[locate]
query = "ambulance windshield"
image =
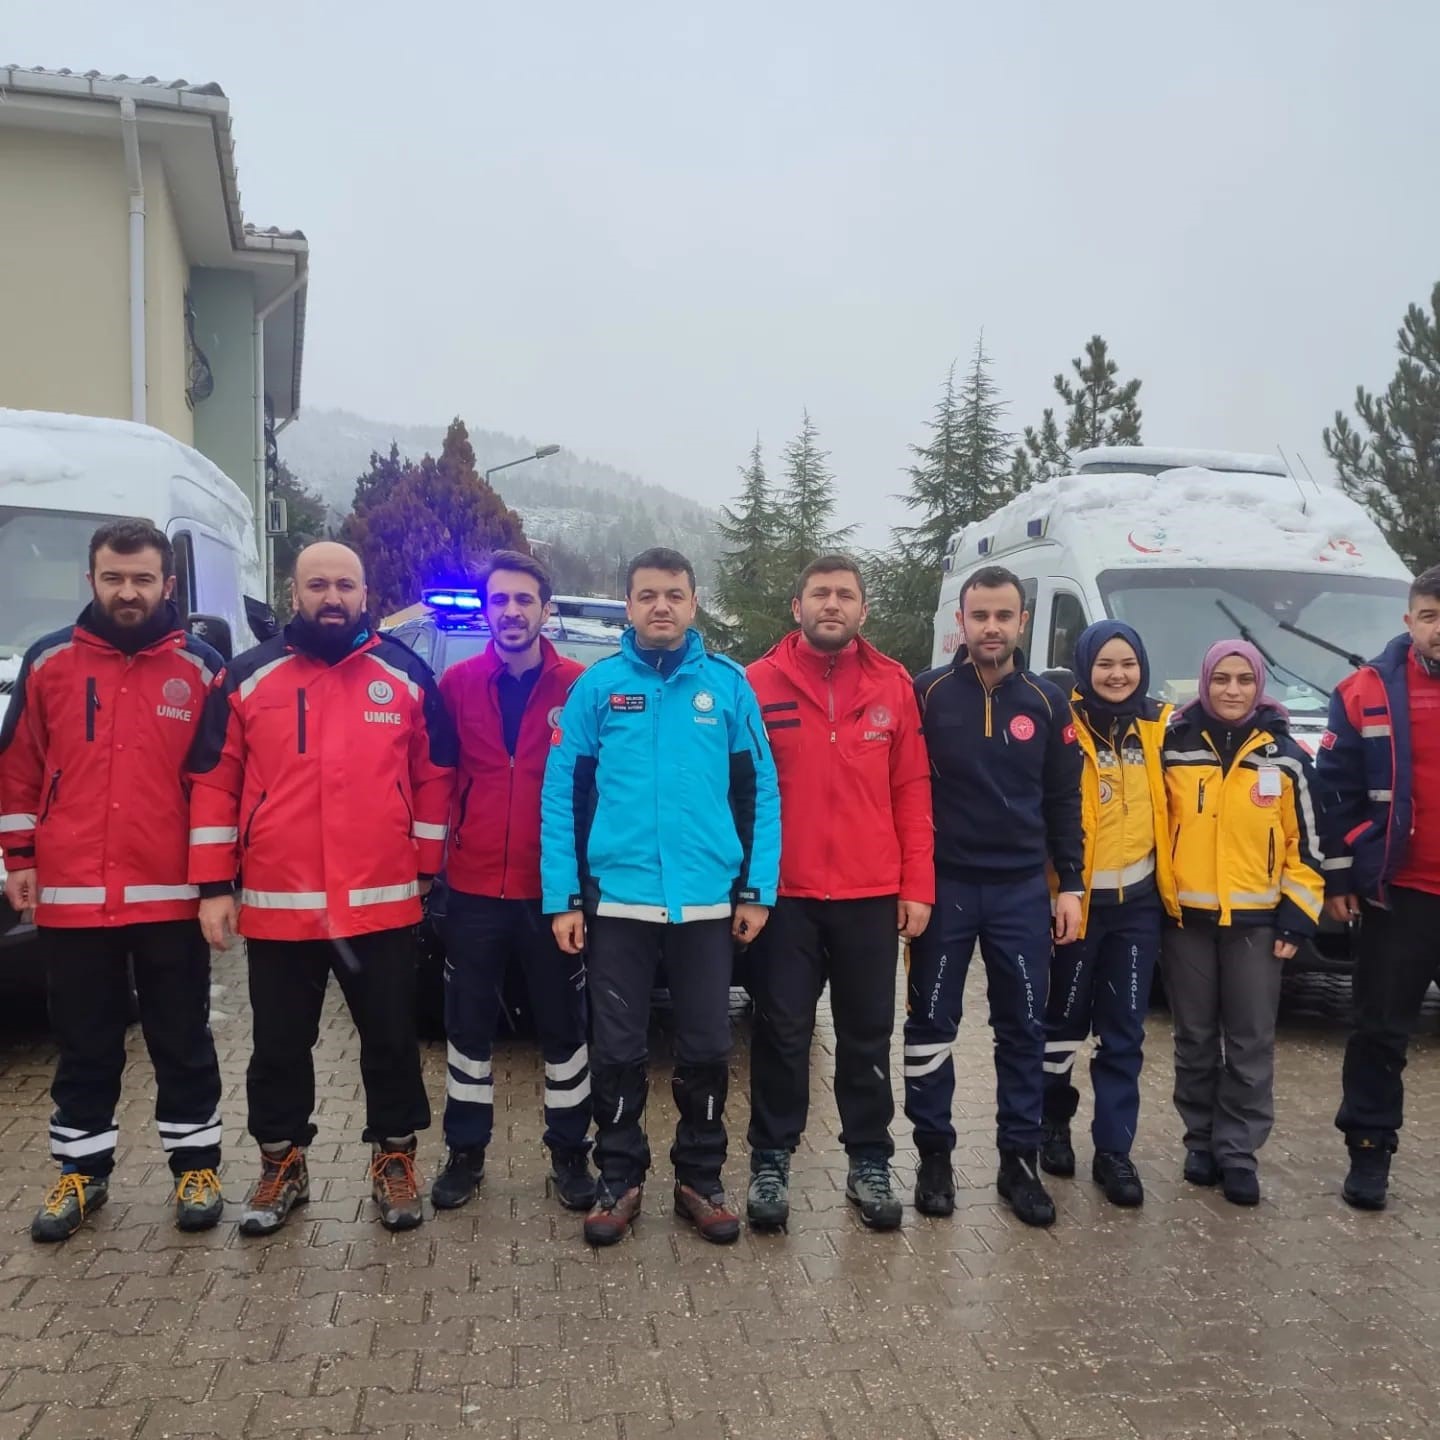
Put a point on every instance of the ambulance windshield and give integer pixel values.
(1178, 614)
(43, 560)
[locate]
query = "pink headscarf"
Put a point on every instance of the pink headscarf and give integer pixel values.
(1222, 650)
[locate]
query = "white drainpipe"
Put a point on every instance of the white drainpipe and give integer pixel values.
(262, 540)
(137, 260)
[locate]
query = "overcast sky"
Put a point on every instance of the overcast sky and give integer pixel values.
(647, 233)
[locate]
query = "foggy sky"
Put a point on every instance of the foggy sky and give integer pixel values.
(647, 234)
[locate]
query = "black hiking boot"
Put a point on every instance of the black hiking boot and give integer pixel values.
(1368, 1182)
(1019, 1183)
(1057, 1154)
(767, 1205)
(935, 1184)
(456, 1184)
(1118, 1178)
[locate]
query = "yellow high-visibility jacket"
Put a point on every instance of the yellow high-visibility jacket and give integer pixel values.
(1244, 845)
(1124, 808)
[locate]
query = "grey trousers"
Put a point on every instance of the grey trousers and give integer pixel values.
(1223, 985)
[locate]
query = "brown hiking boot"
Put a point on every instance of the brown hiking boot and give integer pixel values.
(284, 1183)
(610, 1220)
(396, 1187)
(711, 1216)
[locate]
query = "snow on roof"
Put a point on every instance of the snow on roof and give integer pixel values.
(1190, 516)
(1130, 457)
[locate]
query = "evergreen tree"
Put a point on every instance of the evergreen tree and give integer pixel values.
(749, 588)
(306, 521)
(1102, 412)
(962, 474)
(1395, 470)
(1042, 456)
(807, 504)
(434, 523)
(902, 589)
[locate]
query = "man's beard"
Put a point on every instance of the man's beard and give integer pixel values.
(133, 635)
(831, 644)
(515, 640)
(327, 640)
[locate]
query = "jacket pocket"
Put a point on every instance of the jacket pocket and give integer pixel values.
(250, 821)
(409, 813)
(457, 836)
(51, 795)
(92, 704)
(1270, 858)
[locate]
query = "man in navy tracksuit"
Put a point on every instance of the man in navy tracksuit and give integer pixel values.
(1005, 778)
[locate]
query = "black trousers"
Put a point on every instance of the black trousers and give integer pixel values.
(853, 944)
(1399, 955)
(88, 987)
(287, 990)
(624, 956)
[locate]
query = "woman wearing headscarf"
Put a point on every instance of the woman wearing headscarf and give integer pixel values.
(1100, 984)
(1248, 872)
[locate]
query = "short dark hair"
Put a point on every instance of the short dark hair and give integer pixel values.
(129, 537)
(524, 564)
(831, 564)
(659, 558)
(992, 577)
(1426, 583)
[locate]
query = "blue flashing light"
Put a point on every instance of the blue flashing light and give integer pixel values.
(452, 599)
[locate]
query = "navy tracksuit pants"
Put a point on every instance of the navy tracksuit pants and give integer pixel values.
(1101, 986)
(481, 934)
(1011, 920)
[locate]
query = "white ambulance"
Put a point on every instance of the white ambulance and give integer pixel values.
(1189, 547)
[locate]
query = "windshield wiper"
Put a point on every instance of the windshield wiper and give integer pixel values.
(1347, 655)
(1246, 633)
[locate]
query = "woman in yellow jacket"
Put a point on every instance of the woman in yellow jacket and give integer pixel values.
(1100, 982)
(1248, 874)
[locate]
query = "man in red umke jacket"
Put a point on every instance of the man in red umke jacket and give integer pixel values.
(856, 866)
(505, 704)
(323, 774)
(94, 824)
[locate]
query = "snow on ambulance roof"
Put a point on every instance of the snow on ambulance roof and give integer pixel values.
(1152, 459)
(1186, 517)
(104, 466)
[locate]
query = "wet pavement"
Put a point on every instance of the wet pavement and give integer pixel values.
(1187, 1318)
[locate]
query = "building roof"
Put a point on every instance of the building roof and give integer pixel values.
(168, 111)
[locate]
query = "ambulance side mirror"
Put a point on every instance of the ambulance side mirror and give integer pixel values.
(215, 632)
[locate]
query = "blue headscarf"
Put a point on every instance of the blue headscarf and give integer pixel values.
(1091, 641)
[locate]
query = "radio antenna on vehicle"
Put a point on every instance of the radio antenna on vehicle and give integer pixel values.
(1308, 475)
(1290, 470)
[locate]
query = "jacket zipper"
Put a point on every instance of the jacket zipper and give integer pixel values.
(1271, 861)
(509, 806)
(50, 796)
(830, 768)
(409, 813)
(464, 806)
(92, 704)
(1200, 802)
(250, 823)
(300, 719)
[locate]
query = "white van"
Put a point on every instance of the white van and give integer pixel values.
(1191, 546)
(61, 476)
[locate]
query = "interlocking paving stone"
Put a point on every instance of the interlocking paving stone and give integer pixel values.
(1188, 1318)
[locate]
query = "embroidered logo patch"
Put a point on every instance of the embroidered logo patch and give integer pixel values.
(1068, 734)
(1327, 740)
(380, 692)
(556, 736)
(176, 691)
(627, 704)
(553, 718)
(704, 701)
(880, 717)
(1022, 727)
(1107, 792)
(1258, 797)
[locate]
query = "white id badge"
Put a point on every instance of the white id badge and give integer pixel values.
(1270, 782)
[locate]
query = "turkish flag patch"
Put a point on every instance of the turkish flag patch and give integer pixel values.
(1068, 734)
(556, 736)
(1327, 740)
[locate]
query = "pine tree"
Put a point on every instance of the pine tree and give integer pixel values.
(1395, 471)
(306, 522)
(902, 589)
(807, 504)
(1101, 411)
(434, 523)
(1041, 457)
(962, 474)
(749, 587)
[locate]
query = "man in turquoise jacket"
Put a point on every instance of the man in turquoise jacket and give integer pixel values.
(660, 838)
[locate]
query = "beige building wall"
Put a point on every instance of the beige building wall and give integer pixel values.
(65, 281)
(64, 293)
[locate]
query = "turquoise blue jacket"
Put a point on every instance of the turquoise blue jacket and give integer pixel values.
(660, 799)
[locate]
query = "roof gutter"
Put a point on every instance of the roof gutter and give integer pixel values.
(257, 340)
(138, 379)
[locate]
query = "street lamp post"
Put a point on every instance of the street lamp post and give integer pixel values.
(540, 454)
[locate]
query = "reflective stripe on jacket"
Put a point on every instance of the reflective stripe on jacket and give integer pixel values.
(1239, 850)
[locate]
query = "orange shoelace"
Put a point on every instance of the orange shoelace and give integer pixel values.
(65, 1187)
(198, 1187)
(273, 1179)
(401, 1184)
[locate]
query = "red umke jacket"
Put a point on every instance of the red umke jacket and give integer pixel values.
(92, 775)
(854, 774)
(495, 818)
(327, 786)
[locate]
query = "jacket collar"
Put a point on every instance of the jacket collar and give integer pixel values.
(962, 664)
(692, 652)
(86, 633)
(491, 665)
